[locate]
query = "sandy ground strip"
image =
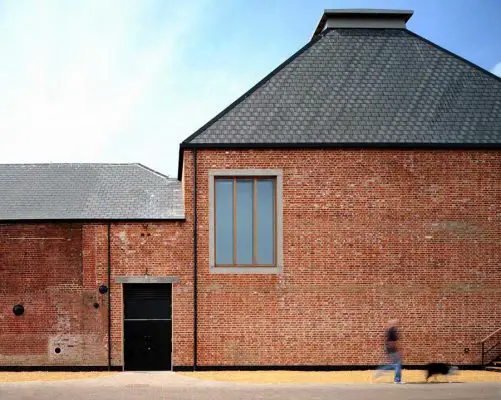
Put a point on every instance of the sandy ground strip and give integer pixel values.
(50, 376)
(277, 377)
(269, 377)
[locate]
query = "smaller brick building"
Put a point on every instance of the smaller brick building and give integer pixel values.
(68, 229)
(357, 182)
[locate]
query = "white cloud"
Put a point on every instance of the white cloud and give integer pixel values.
(102, 82)
(497, 69)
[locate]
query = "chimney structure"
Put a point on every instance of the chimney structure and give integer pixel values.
(363, 18)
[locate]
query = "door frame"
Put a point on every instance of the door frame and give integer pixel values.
(146, 279)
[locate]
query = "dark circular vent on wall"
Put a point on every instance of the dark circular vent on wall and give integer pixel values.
(103, 289)
(96, 305)
(57, 350)
(18, 310)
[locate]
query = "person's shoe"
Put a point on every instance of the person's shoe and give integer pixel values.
(400, 382)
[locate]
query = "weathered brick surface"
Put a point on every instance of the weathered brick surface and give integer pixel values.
(42, 267)
(368, 235)
(156, 249)
(55, 270)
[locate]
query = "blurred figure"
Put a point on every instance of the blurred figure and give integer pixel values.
(392, 352)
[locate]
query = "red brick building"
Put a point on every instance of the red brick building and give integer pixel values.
(359, 181)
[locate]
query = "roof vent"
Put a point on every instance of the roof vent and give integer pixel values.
(363, 18)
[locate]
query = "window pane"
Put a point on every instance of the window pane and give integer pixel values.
(244, 221)
(224, 221)
(265, 221)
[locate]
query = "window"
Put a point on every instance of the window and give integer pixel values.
(245, 219)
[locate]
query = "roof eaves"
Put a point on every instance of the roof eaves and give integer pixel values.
(408, 146)
(87, 220)
(296, 145)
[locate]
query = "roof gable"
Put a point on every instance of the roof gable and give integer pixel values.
(364, 87)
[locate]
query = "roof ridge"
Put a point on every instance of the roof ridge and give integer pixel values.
(167, 177)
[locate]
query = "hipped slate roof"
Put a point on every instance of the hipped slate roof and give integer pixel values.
(87, 192)
(364, 87)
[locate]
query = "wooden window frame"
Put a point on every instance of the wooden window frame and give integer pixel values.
(254, 180)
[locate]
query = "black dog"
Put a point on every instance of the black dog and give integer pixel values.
(434, 369)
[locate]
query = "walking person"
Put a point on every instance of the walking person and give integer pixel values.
(392, 352)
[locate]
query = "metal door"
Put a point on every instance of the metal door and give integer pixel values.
(147, 326)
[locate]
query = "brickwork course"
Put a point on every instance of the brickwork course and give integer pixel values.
(391, 209)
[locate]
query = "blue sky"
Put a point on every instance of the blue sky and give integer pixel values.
(127, 81)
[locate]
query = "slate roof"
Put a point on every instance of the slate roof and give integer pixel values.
(364, 87)
(87, 192)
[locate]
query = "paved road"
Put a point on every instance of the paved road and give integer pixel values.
(167, 385)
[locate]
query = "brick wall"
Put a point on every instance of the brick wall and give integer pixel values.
(368, 235)
(158, 249)
(43, 267)
(55, 270)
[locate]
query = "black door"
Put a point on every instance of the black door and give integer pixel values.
(147, 326)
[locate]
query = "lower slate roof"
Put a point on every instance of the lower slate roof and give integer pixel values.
(87, 192)
(364, 87)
